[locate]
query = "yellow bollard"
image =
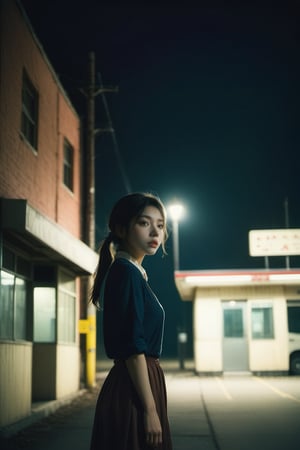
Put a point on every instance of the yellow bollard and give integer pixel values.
(88, 327)
(91, 351)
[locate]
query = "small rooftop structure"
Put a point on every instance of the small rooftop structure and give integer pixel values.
(187, 281)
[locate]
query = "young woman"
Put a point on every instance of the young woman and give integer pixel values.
(131, 411)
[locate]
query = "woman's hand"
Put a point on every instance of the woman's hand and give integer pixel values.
(138, 371)
(152, 428)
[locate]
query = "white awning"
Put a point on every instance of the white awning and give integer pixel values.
(46, 236)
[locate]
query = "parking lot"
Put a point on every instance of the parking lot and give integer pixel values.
(249, 412)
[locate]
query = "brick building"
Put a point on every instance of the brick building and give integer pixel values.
(42, 257)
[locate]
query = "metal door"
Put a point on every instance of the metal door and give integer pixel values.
(235, 344)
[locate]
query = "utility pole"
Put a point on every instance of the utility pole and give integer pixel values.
(91, 93)
(88, 326)
(287, 225)
(90, 155)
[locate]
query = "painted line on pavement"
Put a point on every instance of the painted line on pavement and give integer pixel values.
(276, 391)
(223, 388)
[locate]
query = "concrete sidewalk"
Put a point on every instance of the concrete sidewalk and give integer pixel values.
(189, 421)
(69, 428)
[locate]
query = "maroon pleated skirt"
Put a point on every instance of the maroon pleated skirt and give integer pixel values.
(119, 417)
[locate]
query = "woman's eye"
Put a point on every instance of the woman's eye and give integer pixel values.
(161, 226)
(144, 223)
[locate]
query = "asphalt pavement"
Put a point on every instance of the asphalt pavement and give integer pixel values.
(67, 424)
(227, 412)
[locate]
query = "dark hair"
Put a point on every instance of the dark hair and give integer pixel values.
(122, 214)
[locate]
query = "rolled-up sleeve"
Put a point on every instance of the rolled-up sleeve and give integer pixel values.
(123, 314)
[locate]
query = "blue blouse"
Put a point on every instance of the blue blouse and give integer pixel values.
(133, 318)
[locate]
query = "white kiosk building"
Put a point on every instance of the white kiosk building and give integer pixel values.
(244, 320)
(247, 320)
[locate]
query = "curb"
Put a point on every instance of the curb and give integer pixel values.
(38, 412)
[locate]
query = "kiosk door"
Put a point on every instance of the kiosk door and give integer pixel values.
(235, 345)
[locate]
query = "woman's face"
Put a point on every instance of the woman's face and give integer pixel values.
(145, 234)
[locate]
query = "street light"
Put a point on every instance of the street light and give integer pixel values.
(176, 211)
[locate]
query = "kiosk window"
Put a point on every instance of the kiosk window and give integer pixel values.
(262, 322)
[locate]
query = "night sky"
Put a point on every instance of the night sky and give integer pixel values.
(207, 112)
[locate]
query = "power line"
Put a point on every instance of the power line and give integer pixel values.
(114, 138)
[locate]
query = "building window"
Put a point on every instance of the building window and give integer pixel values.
(13, 291)
(20, 309)
(262, 322)
(54, 318)
(68, 168)
(14, 276)
(66, 318)
(6, 305)
(29, 120)
(44, 317)
(66, 310)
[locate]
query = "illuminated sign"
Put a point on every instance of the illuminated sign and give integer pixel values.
(274, 242)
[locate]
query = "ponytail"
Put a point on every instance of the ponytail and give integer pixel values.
(106, 257)
(124, 211)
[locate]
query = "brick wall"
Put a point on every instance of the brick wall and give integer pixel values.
(25, 173)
